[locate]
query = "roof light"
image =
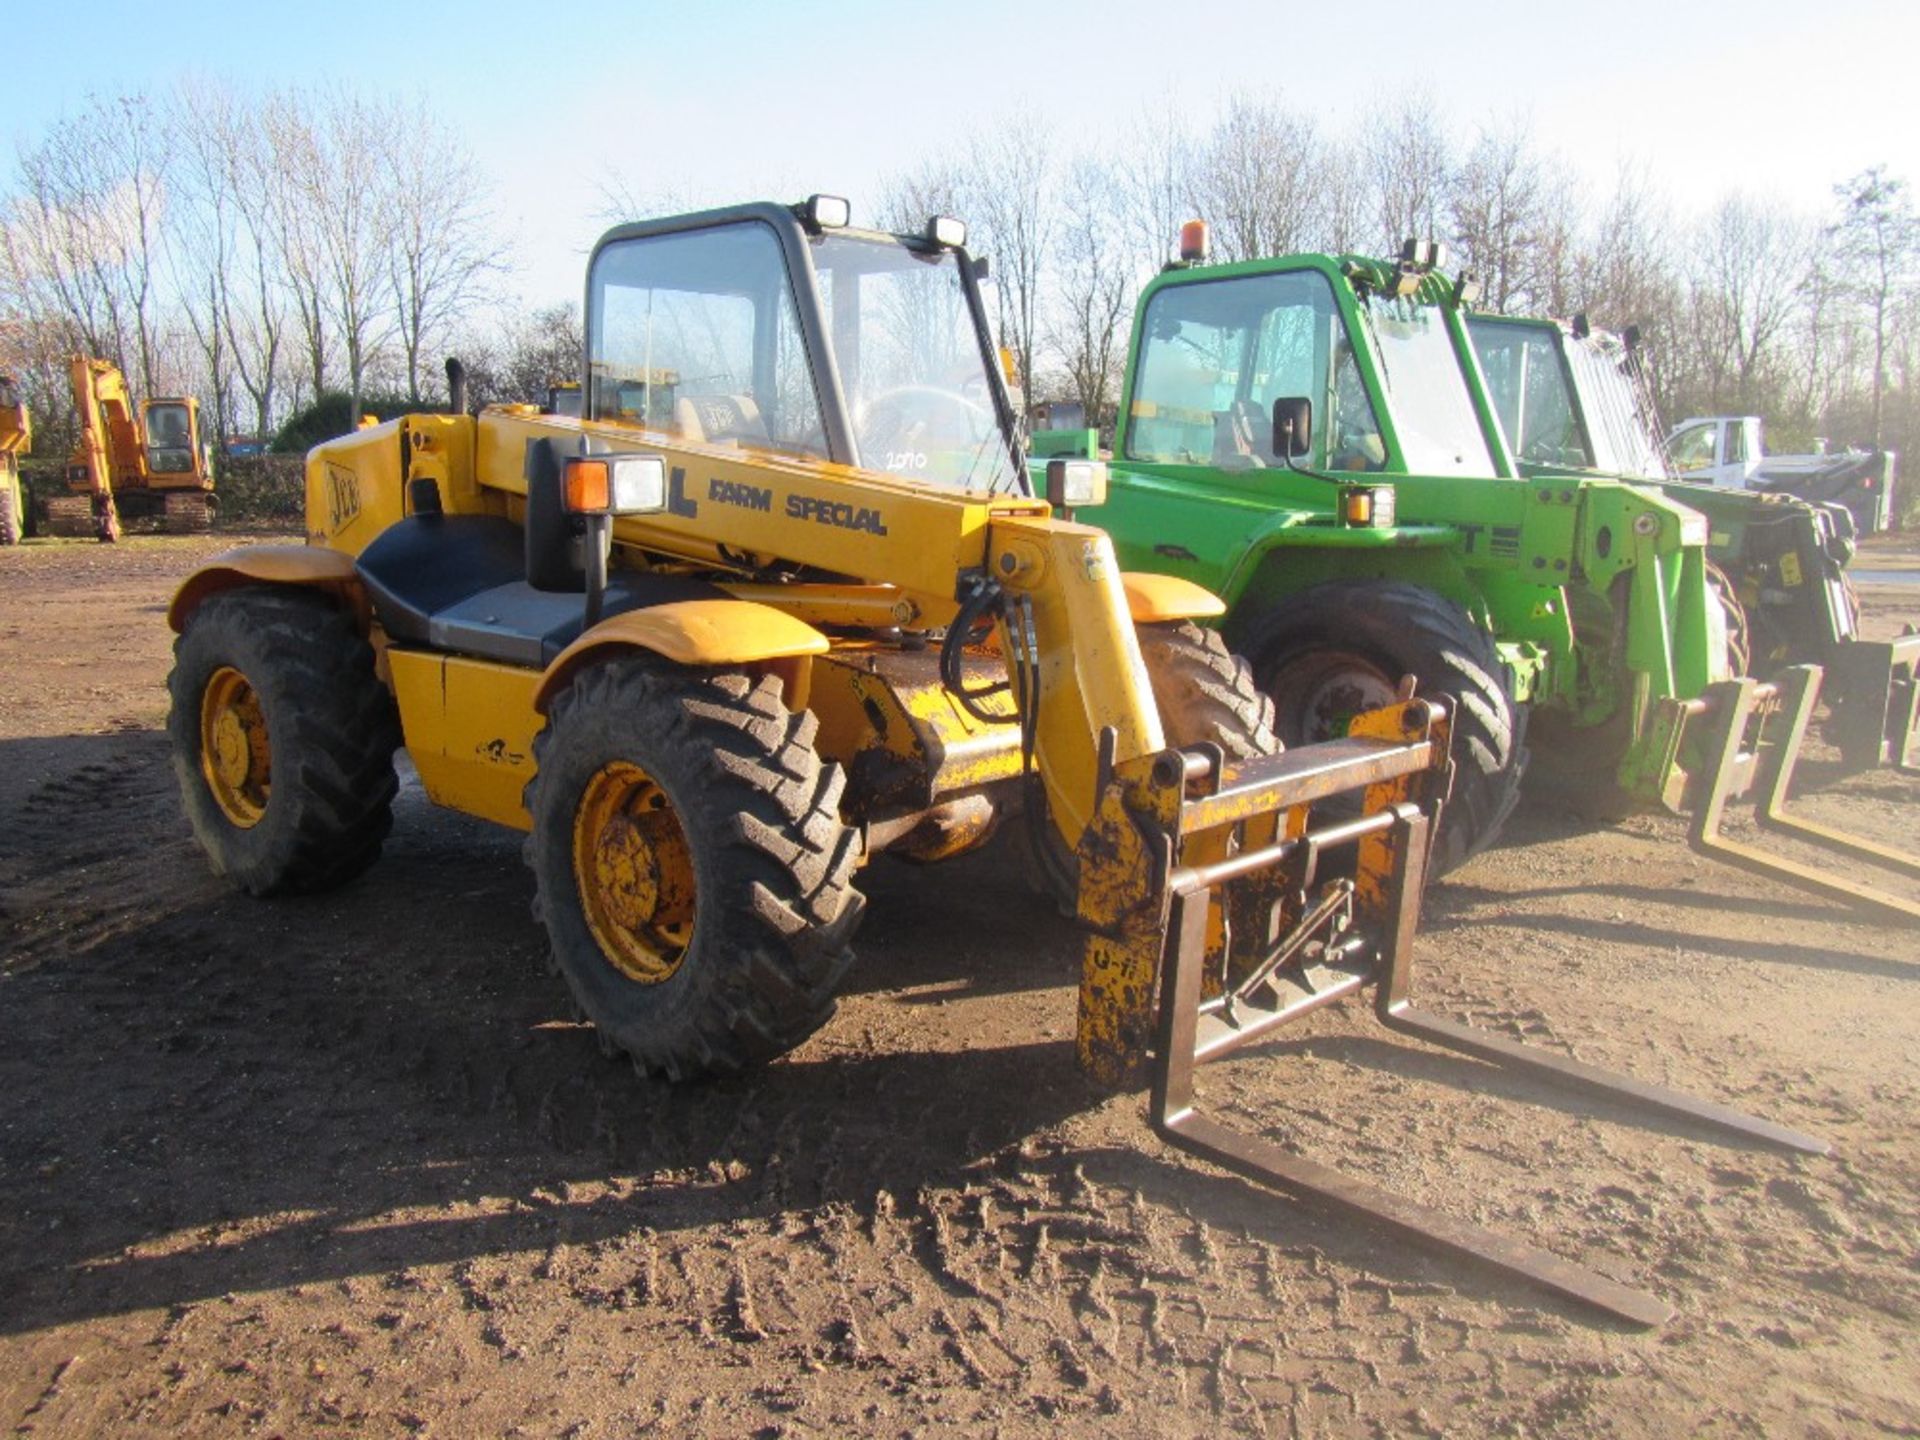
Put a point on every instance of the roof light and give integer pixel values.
(1424, 254)
(1195, 244)
(827, 212)
(945, 230)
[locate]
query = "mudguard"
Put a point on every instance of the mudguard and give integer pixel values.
(302, 565)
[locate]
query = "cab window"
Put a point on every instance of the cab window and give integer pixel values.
(697, 335)
(1693, 448)
(1217, 354)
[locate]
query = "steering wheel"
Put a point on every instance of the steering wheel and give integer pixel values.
(894, 419)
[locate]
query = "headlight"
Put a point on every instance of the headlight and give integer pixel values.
(1074, 483)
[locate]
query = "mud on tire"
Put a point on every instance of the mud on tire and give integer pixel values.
(1206, 694)
(309, 806)
(757, 812)
(1361, 636)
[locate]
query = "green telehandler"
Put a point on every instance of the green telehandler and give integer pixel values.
(1571, 398)
(1307, 436)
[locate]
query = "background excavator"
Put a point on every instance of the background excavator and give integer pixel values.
(16, 435)
(779, 600)
(129, 465)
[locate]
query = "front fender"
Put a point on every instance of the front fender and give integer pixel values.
(690, 632)
(305, 566)
(1168, 597)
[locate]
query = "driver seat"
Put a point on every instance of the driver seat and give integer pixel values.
(720, 419)
(1242, 437)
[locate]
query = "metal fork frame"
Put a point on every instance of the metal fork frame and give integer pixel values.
(1735, 713)
(1190, 1033)
(1879, 721)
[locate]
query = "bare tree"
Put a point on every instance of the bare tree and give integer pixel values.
(1094, 288)
(1342, 182)
(908, 200)
(1154, 169)
(203, 255)
(256, 318)
(1009, 173)
(1753, 260)
(83, 234)
(1254, 179)
(295, 151)
(337, 220)
(1878, 239)
(1510, 219)
(442, 251)
(1408, 162)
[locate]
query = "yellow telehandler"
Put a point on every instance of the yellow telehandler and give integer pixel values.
(780, 599)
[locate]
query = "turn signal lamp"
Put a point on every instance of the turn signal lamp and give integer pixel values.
(616, 484)
(1369, 507)
(588, 487)
(945, 230)
(1074, 483)
(1195, 244)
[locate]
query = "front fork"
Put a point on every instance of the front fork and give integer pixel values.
(1219, 973)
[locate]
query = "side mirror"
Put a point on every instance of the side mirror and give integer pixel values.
(1292, 426)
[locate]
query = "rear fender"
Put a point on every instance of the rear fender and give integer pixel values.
(301, 566)
(742, 634)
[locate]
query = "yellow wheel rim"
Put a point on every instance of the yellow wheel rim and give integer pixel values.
(235, 757)
(634, 872)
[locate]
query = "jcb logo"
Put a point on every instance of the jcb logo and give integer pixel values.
(343, 496)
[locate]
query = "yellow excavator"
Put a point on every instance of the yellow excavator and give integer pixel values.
(780, 600)
(150, 464)
(16, 436)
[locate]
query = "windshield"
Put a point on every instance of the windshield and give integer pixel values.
(1528, 387)
(912, 363)
(1619, 409)
(1427, 394)
(1216, 354)
(169, 439)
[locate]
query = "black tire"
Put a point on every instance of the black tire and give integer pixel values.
(1205, 695)
(327, 726)
(1341, 647)
(772, 904)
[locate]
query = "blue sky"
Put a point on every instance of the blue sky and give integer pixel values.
(718, 102)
